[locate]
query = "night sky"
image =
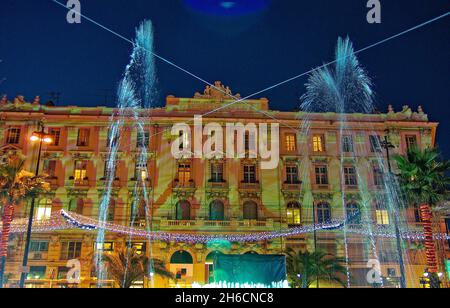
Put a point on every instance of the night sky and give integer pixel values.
(248, 47)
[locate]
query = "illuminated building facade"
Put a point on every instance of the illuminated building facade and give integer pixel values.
(205, 196)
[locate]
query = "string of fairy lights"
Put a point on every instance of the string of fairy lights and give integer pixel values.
(71, 221)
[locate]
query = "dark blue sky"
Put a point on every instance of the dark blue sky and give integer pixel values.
(256, 47)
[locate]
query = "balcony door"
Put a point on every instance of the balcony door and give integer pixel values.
(217, 211)
(183, 210)
(250, 210)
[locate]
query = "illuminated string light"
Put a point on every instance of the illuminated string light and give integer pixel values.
(70, 221)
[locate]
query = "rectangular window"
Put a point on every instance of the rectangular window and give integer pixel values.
(321, 175)
(292, 175)
(13, 136)
(80, 172)
(143, 140)
(184, 174)
(62, 272)
(291, 144)
(375, 144)
(56, 135)
(138, 247)
(50, 168)
(249, 174)
(107, 172)
(44, 210)
(378, 176)
(347, 144)
(141, 172)
(411, 142)
(83, 137)
(217, 172)
(350, 176)
(106, 246)
(382, 215)
(39, 246)
(318, 143)
(37, 272)
(70, 250)
(185, 141)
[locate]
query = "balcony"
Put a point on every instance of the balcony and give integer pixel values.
(210, 225)
(292, 186)
(176, 184)
(115, 183)
(250, 186)
(53, 181)
(81, 183)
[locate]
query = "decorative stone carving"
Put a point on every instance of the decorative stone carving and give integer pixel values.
(217, 92)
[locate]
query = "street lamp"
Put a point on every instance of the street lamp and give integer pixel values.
(387, 146)
(42, 138)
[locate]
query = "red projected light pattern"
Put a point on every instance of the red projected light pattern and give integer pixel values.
(71, 221)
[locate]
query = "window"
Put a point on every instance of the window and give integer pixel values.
(291, 144)
(292, 175)
(138, 247)
(382, 214)
(37, 272)
(217, 172)
(70, 250)
(347, 144)
(143, 140)
(50, 168)
(184, 141)
(184, 174)
(293, 214)
(39, 246)
(217, 211)
(56, 135)
(250, 174)
(83, 137)
(353, 214)
(113, 136)
(417, 214)
(111, 210)
(183, 210)
(76, 205)
(80, 172)
(141, 172)
(105, 246)
(323, 213)
(62, 272)
(378, 176)
(13, 136)
(411, 142)
(375, 144)
(44, 210)
(321, 175)
(250, 211)
(106, 169)
(350, 176)
(318, 143)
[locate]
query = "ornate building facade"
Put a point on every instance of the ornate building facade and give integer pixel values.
(225, 196)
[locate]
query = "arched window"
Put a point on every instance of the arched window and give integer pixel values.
(217, 211)
(250, 210)
(323, 213)
(182, 264)
(181, 257)
(44, 210)
(353, 213)
(251, 253)
(183, 210)
(293, 214)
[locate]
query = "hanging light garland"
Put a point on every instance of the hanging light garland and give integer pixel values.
(70, 221)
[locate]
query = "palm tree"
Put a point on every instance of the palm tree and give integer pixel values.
(423, 180)
(127, 266)
(304, 268)
(16, 186)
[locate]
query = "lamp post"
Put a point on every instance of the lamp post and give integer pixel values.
(41, 137)
(388, 145)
